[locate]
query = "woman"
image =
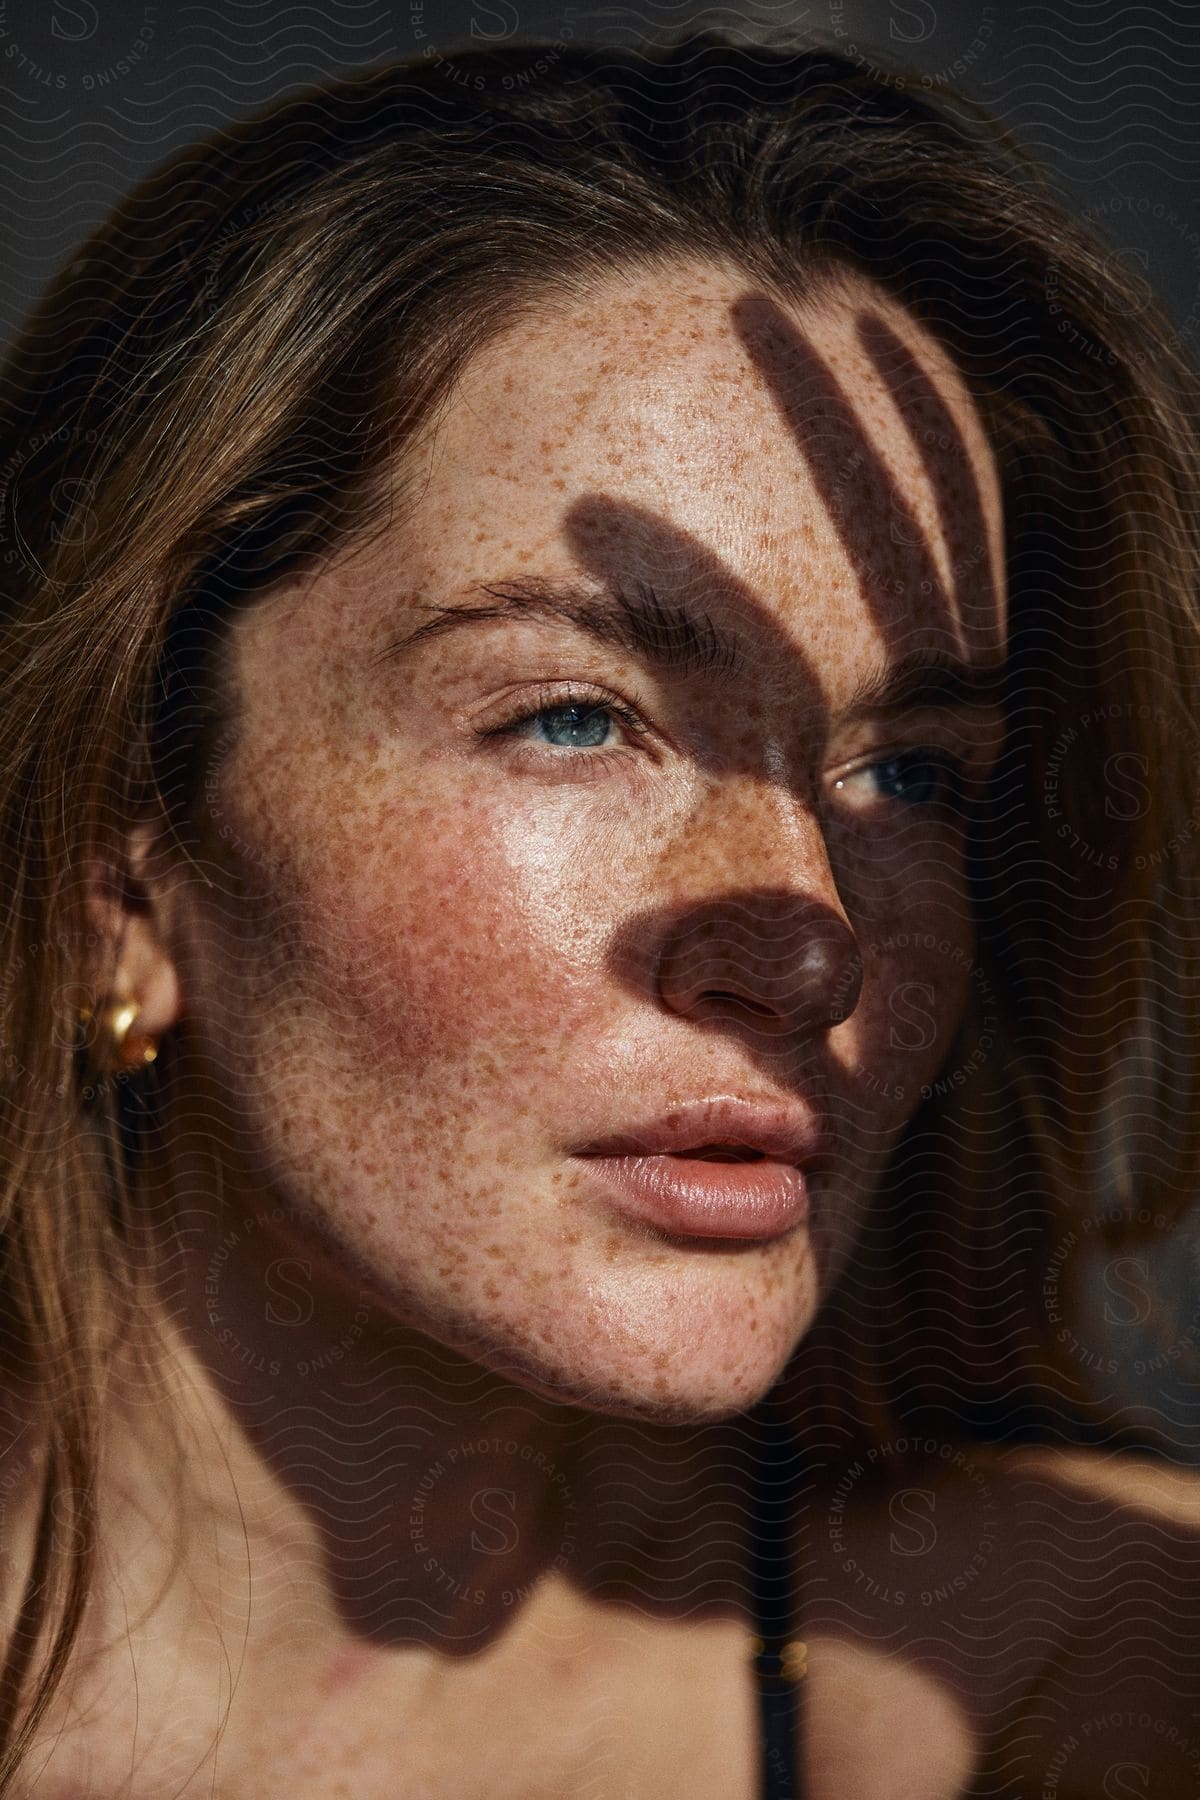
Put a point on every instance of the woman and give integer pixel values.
(540, 617)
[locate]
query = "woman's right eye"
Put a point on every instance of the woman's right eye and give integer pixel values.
(591, 721)
(568, 727)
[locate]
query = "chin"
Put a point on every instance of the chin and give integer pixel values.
(693, 1388)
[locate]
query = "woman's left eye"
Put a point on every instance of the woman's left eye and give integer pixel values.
(921, 777)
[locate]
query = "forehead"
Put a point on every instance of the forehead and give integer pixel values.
(680, 427)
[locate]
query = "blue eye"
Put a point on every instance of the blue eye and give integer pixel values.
(570, 727)
(915, 778)
(574, 720)
(919, 778)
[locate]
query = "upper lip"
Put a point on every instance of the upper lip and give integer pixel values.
(778, 1130)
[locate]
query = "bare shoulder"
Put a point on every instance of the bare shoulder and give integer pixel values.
(1114, 1709)
(881, 1725)
(1119, 1540)
(1125, 1480)
(963, 1618)
(920, 1622)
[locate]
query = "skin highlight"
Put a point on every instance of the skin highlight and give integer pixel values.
(438, 955)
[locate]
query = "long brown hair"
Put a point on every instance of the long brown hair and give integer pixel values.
(218, 386)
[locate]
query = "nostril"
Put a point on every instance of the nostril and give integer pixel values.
(767, 961)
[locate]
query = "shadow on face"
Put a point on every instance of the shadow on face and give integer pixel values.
(626, 776)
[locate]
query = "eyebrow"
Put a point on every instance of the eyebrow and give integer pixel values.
(635, 618)
(681, 640)
(929, 681)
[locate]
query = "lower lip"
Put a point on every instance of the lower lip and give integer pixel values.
(691, 1197)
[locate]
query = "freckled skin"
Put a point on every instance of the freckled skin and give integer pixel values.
(433, 963)
(421, 1009)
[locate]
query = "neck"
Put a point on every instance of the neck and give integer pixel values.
(427, 1495)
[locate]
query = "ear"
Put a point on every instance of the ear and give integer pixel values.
(131, 912)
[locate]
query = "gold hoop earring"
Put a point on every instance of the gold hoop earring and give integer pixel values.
(130, 1050)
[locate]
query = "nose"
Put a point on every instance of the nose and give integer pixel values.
(761, 936)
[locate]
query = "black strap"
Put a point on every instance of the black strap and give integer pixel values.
(774, 1491)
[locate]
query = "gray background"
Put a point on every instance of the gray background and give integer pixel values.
(93, 93)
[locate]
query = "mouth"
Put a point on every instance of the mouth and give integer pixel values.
(721, 1153)
(728, 1192)
(717, 1169)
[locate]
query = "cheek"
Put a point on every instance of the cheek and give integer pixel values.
(433, 932)
(916, 1003)
(919, 980)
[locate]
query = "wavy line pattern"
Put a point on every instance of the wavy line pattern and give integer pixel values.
(405, 1564)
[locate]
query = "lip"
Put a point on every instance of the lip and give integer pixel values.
(657, 1174)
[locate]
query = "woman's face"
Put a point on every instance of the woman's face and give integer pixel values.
(615, 792)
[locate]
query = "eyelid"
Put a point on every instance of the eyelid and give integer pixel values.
(548, 696)
(966, 758)
(911, 754)
(975, 735)
(971, 737)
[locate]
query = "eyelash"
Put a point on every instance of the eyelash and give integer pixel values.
(952, 773)
(592, 700)
(589, 700)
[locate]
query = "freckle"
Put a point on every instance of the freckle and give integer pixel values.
(559, 483)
